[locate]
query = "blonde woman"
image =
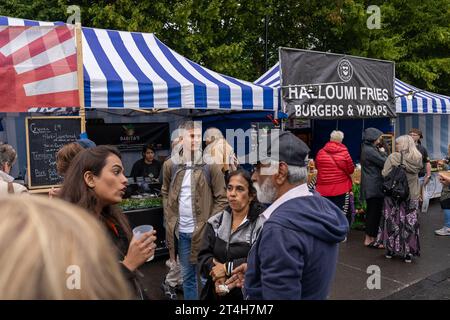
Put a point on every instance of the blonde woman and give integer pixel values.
(399, 227)
(50, 249)
(219, 151)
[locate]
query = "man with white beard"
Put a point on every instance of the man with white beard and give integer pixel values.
(296, 252)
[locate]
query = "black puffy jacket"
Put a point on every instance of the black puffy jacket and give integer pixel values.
(227, 247)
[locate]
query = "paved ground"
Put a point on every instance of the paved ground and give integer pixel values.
(435, 287)
(396, 275)
(427, 277)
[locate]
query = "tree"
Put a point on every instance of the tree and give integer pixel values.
(415, 34)
(228, 35)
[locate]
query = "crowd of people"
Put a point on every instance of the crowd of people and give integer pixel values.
(231, 234)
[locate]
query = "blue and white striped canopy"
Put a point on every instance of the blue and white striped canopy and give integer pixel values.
(421, 102)
(136, 70)
(435, 129)
(271, 78)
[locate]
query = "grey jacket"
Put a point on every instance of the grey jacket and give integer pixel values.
(412, 166)
(372, 162)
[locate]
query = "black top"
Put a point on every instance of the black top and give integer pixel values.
(121, 242)
(425, 159)
(230, 248)
(142, 169)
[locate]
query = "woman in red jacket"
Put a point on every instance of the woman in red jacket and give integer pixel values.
(335, 166)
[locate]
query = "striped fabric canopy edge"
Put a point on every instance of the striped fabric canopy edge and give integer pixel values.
(136, 70)
(422, 101)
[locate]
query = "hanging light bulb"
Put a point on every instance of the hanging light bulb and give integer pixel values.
(410, 95)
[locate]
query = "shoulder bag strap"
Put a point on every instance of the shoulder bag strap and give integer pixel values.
(334, 161)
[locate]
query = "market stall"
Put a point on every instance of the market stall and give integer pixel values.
(119, 70)
(415, 108)
(330, 72)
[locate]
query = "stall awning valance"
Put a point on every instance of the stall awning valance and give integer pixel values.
(136, 70)
(422, 102)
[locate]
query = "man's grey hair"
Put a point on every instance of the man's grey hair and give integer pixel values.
(296, 174)
(337, 135)
(7, 154)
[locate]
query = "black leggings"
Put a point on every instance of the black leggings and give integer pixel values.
(373, 216)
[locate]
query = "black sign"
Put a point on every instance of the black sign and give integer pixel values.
(320, 85)
(45, 136)
(130, 135)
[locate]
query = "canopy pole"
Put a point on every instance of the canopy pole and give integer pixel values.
(283, 109)
(275, 116)
(363, 128)
(80, 77)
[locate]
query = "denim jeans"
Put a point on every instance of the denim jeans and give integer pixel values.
(188, 270)
(447, 218)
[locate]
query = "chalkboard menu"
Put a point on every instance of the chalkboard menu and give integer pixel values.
(45, 136)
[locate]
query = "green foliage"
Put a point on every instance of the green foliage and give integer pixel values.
(356, 189)
(228, 35)
(134, 204)
(360, 207)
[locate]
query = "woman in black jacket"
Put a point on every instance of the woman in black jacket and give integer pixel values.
(96, 181)
(373, 157)
(229, 236)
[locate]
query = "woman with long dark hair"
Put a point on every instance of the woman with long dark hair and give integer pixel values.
(95, 181)
(229, 236)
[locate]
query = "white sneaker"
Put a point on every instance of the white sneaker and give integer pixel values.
(444, 231)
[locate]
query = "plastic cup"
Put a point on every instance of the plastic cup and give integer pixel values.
(139, 231)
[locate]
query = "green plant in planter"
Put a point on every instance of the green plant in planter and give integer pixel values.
(145, 203)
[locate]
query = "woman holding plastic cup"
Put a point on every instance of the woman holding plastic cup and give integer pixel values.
(96, 182)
